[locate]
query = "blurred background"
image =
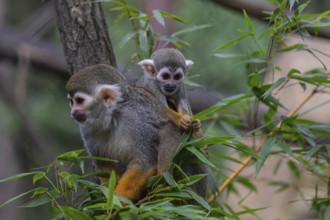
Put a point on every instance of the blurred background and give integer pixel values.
(35, 125)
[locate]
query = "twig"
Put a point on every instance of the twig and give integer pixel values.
(239, 169)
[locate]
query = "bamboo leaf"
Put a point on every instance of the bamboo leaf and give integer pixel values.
(127, 38)
(275, 85)
(111, 191)
(264, 152)
(75, 214)
(158, 16)
(18, 176)
(200, 156)
(231, 43)
(191, 29)
(248, 22)
(16, 197)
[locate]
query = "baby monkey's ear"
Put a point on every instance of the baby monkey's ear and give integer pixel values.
(110, 94)
(148, 66)
(189, 63)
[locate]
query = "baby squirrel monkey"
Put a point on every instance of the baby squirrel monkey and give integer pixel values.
(163, 75)
(120, 122)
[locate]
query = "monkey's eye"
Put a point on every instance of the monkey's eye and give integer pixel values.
(79, 100)
(178, 76)
(166, 76)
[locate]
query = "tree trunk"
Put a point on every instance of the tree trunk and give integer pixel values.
(83, 33)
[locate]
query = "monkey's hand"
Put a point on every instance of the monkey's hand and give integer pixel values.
(185, 121)
(181, 120)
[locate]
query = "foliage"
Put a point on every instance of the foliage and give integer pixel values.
(72, 194)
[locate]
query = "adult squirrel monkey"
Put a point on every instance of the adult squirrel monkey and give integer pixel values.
(121, 122)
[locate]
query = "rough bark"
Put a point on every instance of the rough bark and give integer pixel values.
(83, 33)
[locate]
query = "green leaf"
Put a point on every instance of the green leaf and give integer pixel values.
(294, 169)
(169, 179)
(200, 156)
(16, 197)
(189, 180)
(111, 191)
(127, 38)
(253, 61)
(174, 17)
(42, 199)
(18, 176)
(158, 16)
(191, 29)
(317, 25)
(264, 152)
(327, 213)
(38, 176)
(222, 104)
(231, 43)
(313, 151)
(157, 203)
(247, 183)
(227, 55)
(291, 3)
(198, 199)
(297, 47)
(98, 158)
(143, 42)
(70, 156)
(75, 214)
(275, 85)
(210, 140)
(285, 148)
(248, 22)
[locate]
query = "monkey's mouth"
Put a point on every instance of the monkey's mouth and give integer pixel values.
(170, 89)
(79, 117)
(171, 103)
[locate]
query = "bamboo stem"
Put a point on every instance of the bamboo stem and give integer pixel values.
(239, 169)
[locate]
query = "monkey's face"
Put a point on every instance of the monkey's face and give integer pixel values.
(80, 103)
(170, 79)
(96, 106)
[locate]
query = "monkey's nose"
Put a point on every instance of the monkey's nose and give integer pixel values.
(170, 88)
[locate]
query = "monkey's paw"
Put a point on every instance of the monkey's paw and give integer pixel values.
(185, 121)
(196, 126)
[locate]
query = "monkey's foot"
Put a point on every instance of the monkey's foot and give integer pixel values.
(196, 126)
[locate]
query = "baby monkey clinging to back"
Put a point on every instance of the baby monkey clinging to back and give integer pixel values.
(164, 74)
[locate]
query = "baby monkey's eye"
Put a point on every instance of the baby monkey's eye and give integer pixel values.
(79, 100)
(178, 76)
(166, 76)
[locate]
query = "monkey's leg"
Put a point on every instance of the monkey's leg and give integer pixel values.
(133, 183)
(170, 136)
(180, 120)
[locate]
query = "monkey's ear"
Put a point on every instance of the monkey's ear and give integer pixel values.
(148, 66)
(189, 63)
(110, 94)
